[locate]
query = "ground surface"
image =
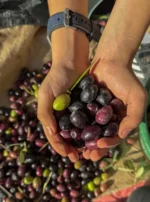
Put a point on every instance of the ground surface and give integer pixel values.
(28, 46)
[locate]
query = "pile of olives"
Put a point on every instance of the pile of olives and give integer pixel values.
(30, 169)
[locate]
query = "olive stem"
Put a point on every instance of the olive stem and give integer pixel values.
(31, 101)
(29, 92)
(80, 78)
(5, 191)
(5, 147)
(39, 199)
(22, 192)
(82, 75)
(109, 166)
(68, 91)
(45, 145)
(125, 169)
(29, 132)
(17, 144)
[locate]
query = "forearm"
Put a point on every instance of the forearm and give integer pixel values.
(125, 29)
(66, 41)
(56, 6)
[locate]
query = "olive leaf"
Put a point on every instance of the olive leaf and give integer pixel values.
(24, 147)
(22, 155)
(129, 164)
(139, 173)
(115, 156)
(143, 164)
(46, 182)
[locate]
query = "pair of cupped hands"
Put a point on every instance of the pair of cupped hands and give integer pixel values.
(70, 60)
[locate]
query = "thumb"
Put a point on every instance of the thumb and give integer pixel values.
(45, 111)
(135, 111)
(45, 115)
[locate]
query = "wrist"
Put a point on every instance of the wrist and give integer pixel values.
(69, 46)
(115, 50)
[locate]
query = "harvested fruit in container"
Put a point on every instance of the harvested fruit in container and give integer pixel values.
(30, 169)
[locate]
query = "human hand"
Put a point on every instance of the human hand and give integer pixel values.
(70, 59)
(120, 79)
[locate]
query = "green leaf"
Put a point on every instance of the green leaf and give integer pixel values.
(22, 156)
(139, 173)
(46, 182)
(129, 164)
(25, 147)
(115, 157)
(143, 164)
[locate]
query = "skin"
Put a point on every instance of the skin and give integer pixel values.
(112, 66)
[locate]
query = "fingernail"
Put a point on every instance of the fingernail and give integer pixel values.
(49, 130)
(125, 133)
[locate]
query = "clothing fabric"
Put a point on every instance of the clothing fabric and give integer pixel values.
(34, 12)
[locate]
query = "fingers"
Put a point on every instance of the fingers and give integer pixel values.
(57, 143)
(86, 154)
(45, 111)
(46, 117)
(94, 155)
(135, 111)
(98, 154)
(108, 142)
(73, 155)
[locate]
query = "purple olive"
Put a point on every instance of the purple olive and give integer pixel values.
(61, 188)
(74, 193)
(65, 134)
(40, 143)
(39, 171)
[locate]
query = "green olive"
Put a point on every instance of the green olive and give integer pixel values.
(37, 182)
(78, 165)
(28, 180)
(61, 102)
(64, 199)
(97, 180)
(5, 153)
(91, 186)
(13, 113)
(8, 131)
(46, 172)
(105, 176)
(35, 87)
